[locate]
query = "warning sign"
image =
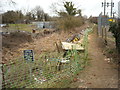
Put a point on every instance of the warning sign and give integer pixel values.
(28, 55)
(112, 20)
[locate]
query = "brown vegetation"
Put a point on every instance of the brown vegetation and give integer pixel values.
(70, 22)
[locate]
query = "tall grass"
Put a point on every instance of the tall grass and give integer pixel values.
(69, 22)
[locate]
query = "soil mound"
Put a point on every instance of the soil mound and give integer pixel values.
(14, 39)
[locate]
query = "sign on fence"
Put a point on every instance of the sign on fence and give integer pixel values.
(28, 55)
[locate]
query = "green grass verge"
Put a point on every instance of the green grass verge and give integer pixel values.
(23, 27)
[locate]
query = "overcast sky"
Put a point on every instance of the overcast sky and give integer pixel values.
(89, 7)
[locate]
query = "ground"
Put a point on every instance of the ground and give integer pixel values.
(14, 44)
(101, 72)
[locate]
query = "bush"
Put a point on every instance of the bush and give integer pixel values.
(69, 22)
(115, 29)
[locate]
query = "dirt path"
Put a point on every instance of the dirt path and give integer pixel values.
(99, 73)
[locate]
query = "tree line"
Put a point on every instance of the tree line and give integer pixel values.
(36, 14)
(66, 19)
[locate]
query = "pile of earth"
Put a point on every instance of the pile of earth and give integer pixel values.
(14, 39)
(11, 42)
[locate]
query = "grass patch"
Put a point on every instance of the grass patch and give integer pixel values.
(23, 27)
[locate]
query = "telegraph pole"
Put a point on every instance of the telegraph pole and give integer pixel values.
(111, 8)
(112, 5)
(104, 5)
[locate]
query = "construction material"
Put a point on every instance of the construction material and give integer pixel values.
(74, 38)
(70, 46)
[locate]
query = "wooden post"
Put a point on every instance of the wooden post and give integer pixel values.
(106, 35)
(57, 47)
(102, 32)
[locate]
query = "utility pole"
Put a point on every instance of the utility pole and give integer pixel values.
(112, 5)
(104, 5)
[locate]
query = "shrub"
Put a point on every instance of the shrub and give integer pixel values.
(69, 22)
(115, 29)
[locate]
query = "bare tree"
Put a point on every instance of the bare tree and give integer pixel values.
(38, 13)
(64, 8)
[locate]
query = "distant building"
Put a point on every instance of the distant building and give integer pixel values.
(119, 9)
(46, 24)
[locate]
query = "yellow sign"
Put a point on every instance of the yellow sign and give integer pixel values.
(112, 20)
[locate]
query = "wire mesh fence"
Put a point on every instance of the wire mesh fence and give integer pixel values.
(51, 70)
